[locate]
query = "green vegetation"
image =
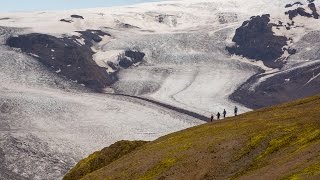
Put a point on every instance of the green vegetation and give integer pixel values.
(308, 172)
(277, 144)
(280, 142)
(254, 142)
(102, 158)
(159, 168)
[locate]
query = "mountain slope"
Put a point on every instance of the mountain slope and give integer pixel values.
(102, 158)
(278, 142)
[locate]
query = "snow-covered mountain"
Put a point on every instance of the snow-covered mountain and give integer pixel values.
(75, 81)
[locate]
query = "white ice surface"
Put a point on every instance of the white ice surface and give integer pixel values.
(179, 15)
(47, 124)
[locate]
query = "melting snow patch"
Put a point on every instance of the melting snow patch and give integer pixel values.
(252, 62)
(77, 42)
(110, 70)
(313, 78)
(109, 90)
(285, 55)
(81, 41)
(108, 59)
(34, 55)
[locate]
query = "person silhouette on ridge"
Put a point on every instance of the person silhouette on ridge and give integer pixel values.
(218, 116)
(224, 113)
(235, 111)
(212, 117)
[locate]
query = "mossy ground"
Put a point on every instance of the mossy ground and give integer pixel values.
(102, 158)
(281, 142)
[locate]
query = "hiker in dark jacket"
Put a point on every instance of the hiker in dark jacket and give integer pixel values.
(218, 115)
(235, 111)
(212, 117)
(224, 113)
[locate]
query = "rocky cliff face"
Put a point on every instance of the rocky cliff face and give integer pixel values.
(288, 80)
(65, 56)
(130, 57)
(256, 40)
(300, 11)
(71, 57)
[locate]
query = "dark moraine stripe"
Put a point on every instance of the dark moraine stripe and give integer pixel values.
(174, 108)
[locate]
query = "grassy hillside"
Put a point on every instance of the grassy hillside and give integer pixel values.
(102, 158)
(281, 142)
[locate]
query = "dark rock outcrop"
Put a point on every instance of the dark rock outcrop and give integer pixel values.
(302, 12)
(66, 20)
(299, 11)
(77, 16)
(125, 62)
(256, 40)
(128, 26)
(283, 87)
(65, 56)
(92, 36)
(166, 19)
(160, 18)
(69, 20)
(72, 58)
(136, 56)
(130, 57)
(6, 18)
(313, 8)
(112, 66)
(125, 25)
(290, 5)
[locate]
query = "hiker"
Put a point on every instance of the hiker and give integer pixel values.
(218, 116)
(224, 113)
(212, 117)
(235, 111)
